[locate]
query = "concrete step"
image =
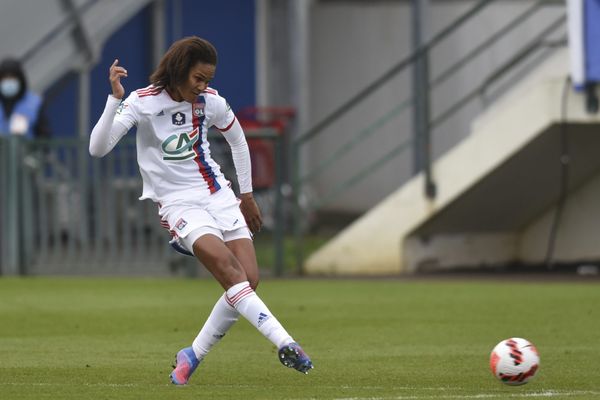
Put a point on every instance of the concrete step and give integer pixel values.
(494, 188)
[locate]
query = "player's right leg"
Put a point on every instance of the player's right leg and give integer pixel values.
(222, 317)
(186, 363)
(220, 320)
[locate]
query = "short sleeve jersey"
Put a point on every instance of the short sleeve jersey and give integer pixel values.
(173, 151)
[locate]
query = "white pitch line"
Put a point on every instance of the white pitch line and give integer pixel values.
(547, 393)
(63, 384)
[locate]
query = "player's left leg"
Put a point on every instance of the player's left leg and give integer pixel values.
(256, 312)
(243, 249)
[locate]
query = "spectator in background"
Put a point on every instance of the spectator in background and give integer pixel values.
(22, 110)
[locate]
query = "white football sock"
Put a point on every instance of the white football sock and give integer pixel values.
(246, 301)
(221, 318)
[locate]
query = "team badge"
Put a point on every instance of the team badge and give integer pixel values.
(178, 118)
(199, 109)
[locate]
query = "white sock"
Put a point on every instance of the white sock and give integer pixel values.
(246, 301)
(221, 318)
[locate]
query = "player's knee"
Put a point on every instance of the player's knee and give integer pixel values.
(222, 261)
(253, 282)
(226, 263)
(253, 279)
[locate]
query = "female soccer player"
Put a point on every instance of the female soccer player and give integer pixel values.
(172, 116)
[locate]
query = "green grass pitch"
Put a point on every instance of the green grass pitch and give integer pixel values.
(72, 338)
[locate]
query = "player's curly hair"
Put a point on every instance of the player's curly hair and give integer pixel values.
(175, 65)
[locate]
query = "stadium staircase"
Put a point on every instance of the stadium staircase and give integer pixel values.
(496, 191)
(59, 36)
(520, 188)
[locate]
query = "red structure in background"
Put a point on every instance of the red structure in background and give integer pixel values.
(262, 151)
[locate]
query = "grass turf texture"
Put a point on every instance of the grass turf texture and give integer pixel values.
(116, 339)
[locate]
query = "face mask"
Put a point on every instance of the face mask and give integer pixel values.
(9, 87)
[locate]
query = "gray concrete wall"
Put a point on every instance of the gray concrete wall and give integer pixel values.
(354, 42)
(578, 233)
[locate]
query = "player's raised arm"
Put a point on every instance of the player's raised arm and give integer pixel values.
(116, 72)
(107, 132)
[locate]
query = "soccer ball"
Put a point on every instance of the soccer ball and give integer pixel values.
(514, 361)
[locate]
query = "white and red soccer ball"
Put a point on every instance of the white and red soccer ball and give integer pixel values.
(514, 361)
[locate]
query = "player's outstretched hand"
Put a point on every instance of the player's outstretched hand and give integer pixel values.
(251, 212)
(116, 72)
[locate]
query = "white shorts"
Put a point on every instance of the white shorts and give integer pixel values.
(218, 214)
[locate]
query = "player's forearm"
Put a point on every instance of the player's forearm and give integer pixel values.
(106, 133)
(241, 156)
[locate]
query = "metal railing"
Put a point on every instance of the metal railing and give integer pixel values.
(66, 24)
(531, 51)
(64, 212)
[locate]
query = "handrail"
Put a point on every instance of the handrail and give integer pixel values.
(361, 135)
(499, 72)
(302, 204)
(362, 174)
(408, 60)
(442, 77)
(330, 194)
(65, 24)
(392, 72)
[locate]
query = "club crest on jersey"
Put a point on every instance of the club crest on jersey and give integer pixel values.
(178, 118)
(180, 146)
(198, 109)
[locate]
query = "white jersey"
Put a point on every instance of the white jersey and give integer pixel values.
(172, 147)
